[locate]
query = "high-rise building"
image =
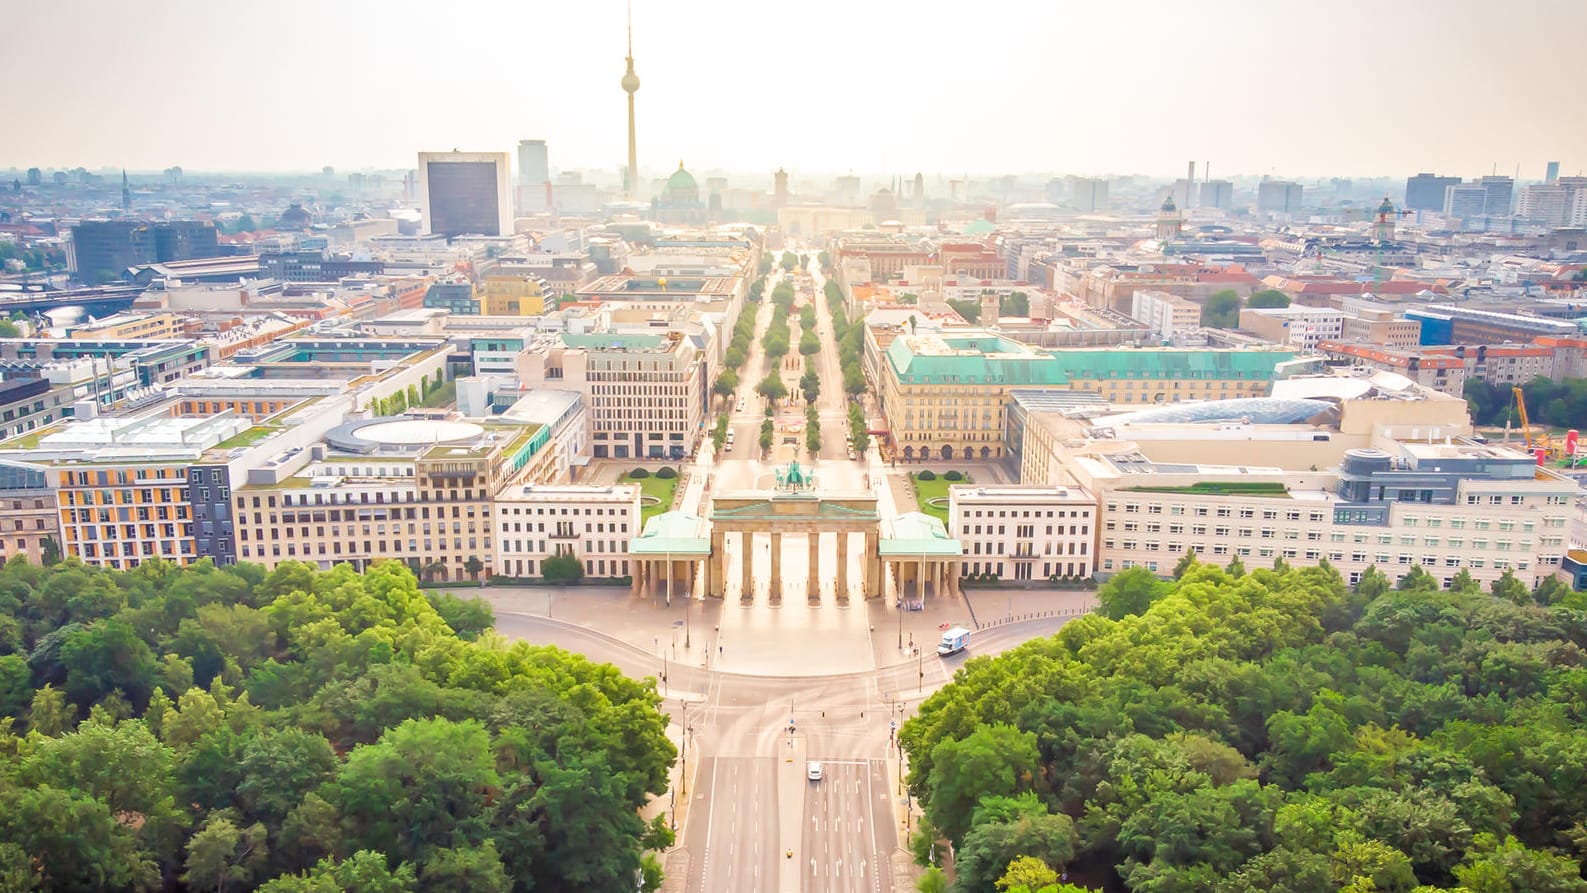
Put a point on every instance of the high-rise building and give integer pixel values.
(533, 167)
(35, 177)
(1545, 203)
(1576, 200)
(1089, 194)
(1217, 194)
(780, 189)
(102, 250)
(465, 193)
(534, 173)
(1426, 192)
(1501, 195)
(1551, 173)
(1279, 197)
(1465, 200)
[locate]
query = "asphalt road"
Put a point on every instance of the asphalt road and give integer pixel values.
(754, 821)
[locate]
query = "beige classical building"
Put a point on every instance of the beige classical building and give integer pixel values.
(590, 523)
(1025, 533)
(945, 393)
(433, 511)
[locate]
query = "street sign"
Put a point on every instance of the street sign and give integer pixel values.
(892, 724)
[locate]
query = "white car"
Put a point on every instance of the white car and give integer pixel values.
(813, 770)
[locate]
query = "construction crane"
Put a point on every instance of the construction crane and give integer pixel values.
(1542, 441)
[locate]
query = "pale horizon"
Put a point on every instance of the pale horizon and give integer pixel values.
(1352, 89)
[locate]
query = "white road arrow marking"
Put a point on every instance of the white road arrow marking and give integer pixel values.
(862, 868)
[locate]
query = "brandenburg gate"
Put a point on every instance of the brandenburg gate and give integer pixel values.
(794, 508)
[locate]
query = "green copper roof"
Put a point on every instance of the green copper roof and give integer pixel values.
(991, 359)
(915, 534)
(671, 533)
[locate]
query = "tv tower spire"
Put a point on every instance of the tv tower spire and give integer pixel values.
(631, 86)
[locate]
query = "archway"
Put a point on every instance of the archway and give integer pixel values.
(986, 452)
(909, 452)
(947, 451)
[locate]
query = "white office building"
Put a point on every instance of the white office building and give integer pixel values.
(1024, 533)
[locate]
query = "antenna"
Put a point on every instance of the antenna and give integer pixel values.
(630, 29)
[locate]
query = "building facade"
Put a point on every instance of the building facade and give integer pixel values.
(465, 193)
(1024, 533)
(591, 524)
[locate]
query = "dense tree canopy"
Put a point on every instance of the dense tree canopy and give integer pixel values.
(1274, 731)
(306, 730)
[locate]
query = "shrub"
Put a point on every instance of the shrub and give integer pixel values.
(954, 475)
(638, 473)
(562, 569)
(927, 475)
(666, 472)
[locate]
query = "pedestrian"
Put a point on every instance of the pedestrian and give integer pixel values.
(719, 649)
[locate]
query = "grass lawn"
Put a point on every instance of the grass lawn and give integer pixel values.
(661, 488)
(928, 490)
(248, 438)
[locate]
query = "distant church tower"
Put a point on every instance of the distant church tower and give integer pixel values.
(1383, 227)
(989, 309)
(1169, 222)
(126, 192)
(779, 189)
(631, 86)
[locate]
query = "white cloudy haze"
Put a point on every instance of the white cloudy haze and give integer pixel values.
(1349, 88)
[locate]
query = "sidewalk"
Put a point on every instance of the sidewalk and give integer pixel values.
(649, 624)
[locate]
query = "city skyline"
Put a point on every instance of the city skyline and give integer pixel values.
(1256, 99)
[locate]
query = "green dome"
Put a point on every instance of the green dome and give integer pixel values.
(682, 182)
(1387, 207)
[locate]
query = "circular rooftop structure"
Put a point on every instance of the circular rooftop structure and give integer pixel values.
(400, 434)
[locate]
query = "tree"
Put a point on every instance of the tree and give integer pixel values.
(72, 840)
(991, 849)
(466, 868)
(992, 760)
(1028, 872)
(105, 657)
(221, 854)
(1269, 298)
(473, 565)
(1463, 583)
(562, 568)
(810, 383)
(1186, 562)
(422, 785)
(934, 880)
(1130, 591)
(809, 344)
(726, 383)
(279, 767)
(771, 387)
(1509, 588)
(1221, 310)
(789, 261)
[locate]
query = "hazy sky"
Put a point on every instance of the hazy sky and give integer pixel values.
(1346, 87)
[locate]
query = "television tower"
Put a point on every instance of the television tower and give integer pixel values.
(631, 86)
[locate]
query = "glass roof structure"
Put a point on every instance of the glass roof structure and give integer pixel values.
(1257, 410)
